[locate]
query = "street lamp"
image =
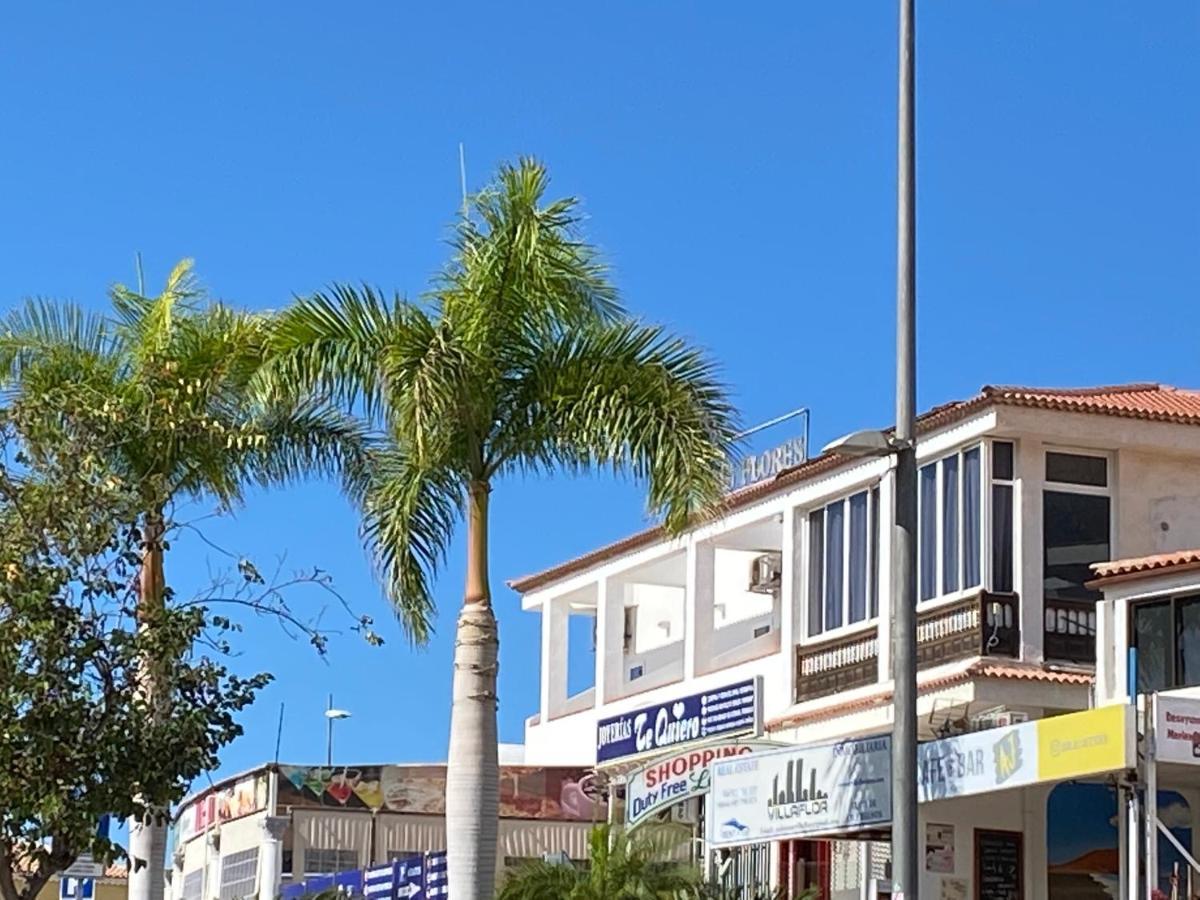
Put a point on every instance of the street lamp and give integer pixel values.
(902, 442)
(332, 714)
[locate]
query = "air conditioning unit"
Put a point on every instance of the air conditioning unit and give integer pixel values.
(766, 573)
(997, 718)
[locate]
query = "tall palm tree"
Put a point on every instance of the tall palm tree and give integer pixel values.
(172, 371)
(521, 360)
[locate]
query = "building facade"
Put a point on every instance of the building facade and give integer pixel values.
(1024, 495)
(254, 833)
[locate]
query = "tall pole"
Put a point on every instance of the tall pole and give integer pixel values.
(329, 733)
(905, 871)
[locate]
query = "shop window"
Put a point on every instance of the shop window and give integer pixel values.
(193, 885)
(1166, 634)
(325, 862)
(1076, 512)
(843, 568)
(239, 874)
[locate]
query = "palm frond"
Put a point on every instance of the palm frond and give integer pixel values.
(148, 323)
(334, 344)
(632, 398)
(408, 517)
(42, 331)
(287, 444)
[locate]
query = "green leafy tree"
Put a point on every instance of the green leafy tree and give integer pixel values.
(78, 738)
(522, 360)
(171, 374)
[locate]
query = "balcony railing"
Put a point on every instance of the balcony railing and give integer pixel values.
(1070, 631)
(983, 624)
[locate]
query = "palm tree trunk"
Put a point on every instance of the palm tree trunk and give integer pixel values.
(473, 769)
(148, 838)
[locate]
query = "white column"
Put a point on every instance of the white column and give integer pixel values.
(1033, 815)
(270, 856)
(700, 586)
(555, 652)
(1030, 467)
(887, 514)
(212, 877)
(610, 631)
(790, 617)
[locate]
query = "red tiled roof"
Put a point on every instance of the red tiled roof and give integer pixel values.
(1144, 400)
(982, 668)
(1140, 566)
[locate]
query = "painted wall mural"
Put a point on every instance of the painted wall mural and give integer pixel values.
(1082, 841)
(526, 792)
(223, 805)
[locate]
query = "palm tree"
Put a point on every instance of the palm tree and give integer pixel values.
(620, 867)
(172, 372)
(522, 360)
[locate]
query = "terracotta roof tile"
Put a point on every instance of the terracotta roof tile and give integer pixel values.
(1140, 566)
(982, 668)
(1143, 400)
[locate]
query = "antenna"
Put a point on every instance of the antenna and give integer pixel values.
(462, 176)
(279, 734)
(137, 257)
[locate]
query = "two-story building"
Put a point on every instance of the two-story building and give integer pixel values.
(1021, 492)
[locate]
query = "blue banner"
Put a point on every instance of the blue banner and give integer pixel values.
(435, 876)
(721, 712)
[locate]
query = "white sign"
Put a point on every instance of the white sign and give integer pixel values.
(1177, 730)
(672, 779)
(978, 762)
(801, 791)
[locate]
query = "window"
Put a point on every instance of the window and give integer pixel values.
(1002, 514)
(1076, 513)
(843, 555)
(950, 526)
(324, 862)
(193, 885)
(1166, 634)
(239, 874)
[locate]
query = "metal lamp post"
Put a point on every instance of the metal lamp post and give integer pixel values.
(902, 443)
(331, 715)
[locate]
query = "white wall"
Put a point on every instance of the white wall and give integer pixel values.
(1157, 491)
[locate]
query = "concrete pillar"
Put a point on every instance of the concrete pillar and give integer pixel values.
(270, 857)
(212, 875)
(790, 616)
(887, 514)
(610, 632)
(1029, 464)
(555, 651)
(1033, 811)
(700, 587)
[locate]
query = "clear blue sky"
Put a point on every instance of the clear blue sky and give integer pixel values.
(737, 163)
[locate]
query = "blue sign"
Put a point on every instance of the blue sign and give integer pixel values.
(76, 888)
(379, 882)
(721, 712)
(436, 876)
(349, 882)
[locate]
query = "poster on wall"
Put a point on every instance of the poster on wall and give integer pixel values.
(242, 798)
(939, 848)
(526, 792)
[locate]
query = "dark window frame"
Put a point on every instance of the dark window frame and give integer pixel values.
(1175, 651)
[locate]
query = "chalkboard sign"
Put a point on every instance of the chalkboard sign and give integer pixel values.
(999, 869)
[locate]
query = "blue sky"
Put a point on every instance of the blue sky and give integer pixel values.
(737, 164)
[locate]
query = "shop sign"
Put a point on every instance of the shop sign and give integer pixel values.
(672, 779)
(801, 791)
(977, 762)
(241, 798)
(1086, 743)
(722, 712)
(1177, 730)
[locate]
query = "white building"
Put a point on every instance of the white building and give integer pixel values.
(1022, 491)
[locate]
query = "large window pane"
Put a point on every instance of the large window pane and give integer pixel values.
(972, 524)
(928, 512)
(835, 539)
(1070, 468)
(858, 557)
(1187, 634)
(1152, 637)
(949, 524)
(816, 569)
(1075, 534)
(1002, 537)
(1002, 460)
(876, 537)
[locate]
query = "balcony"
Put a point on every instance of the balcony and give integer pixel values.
(1070, 631)
(983, 624)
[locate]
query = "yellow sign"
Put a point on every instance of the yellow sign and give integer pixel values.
(1085, 743)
